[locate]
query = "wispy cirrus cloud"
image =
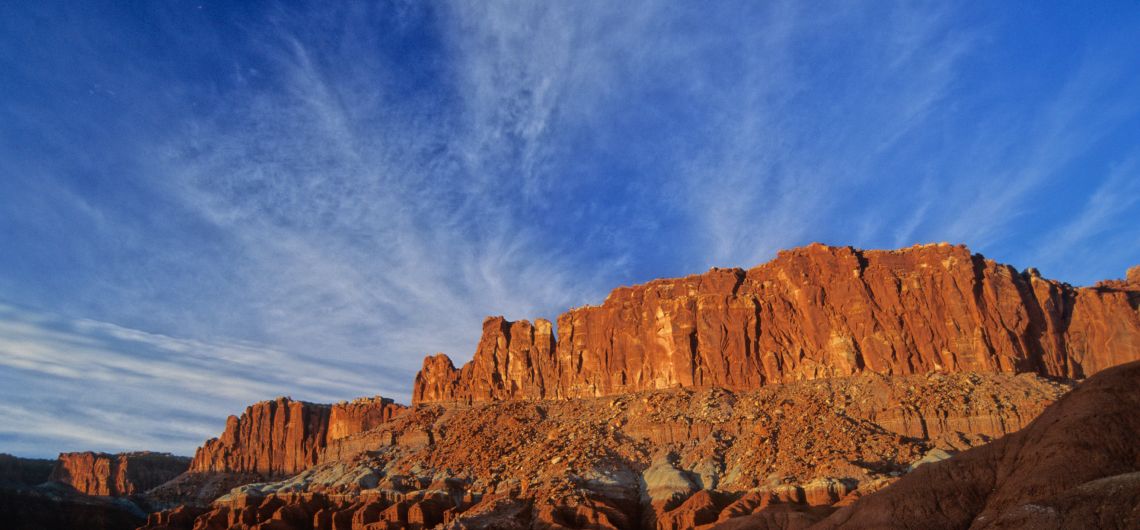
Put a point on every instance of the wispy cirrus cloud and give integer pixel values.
(368, 228)
(1101, 227)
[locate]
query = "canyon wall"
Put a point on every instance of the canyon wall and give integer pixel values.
(282, 436)
(116, 475)
(813, 312)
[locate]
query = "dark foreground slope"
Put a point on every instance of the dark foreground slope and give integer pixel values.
(1075, 466)
(35, 496)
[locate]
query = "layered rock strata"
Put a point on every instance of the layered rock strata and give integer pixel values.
(117, 475)
(813, 312)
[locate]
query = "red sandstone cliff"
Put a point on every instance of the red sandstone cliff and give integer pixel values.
(119, 474)
(813, 312)
(275, 437)
(283, 436)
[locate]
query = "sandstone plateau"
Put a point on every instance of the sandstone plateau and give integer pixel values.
(813, 312)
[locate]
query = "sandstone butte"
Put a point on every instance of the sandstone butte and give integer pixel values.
(116, 475)
(813, 312)
(282, 436)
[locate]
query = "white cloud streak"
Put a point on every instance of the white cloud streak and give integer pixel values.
(69, 385)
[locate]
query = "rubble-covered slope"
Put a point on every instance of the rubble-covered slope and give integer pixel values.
(655, 459)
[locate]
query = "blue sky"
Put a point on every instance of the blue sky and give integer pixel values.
(204, 204)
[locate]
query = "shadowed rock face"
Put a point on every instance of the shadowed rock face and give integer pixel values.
(17, 472)
(282, 436)
(117, 475)
(1076, 466)
(813, 312)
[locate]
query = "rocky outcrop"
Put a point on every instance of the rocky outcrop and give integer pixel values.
(813, 312)
(283, 437)
(117, 475)
(1075, 466)
(509, 363)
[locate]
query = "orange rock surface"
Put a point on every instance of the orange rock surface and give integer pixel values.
(117, 474)
(813, 312)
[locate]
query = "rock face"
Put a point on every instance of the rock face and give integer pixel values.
(277, 437)
(813, 312)
(117, 475)
(282, 436)
(673, 458)
(1075, 466)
